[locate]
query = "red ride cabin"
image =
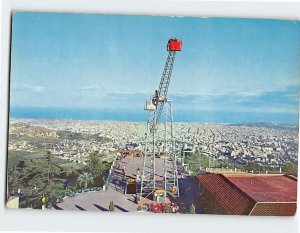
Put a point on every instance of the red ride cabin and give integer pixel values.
(174, 45)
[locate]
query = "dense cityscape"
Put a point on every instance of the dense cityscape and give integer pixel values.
(74, 140)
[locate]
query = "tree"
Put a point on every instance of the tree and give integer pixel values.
(52, 191)
(15, 173)
(14, 180)
(253, 166)
(111, 206)
(192, 209)
(45, 175)
(71, 180)
(197, 160)
(96, 168)
(37, 177)
(290, 168)
(85, 178)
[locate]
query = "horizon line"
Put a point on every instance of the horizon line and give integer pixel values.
(136, 121)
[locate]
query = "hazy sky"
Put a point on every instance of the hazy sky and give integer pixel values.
(108, 62)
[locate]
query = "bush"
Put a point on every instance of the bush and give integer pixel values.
(111, 206)
(290, 168)
(168, 209)
(192, 209)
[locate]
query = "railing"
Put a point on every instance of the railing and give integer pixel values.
(215, 170)
(224, 170)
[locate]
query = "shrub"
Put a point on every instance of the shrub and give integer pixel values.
(168, 209)
(192, 209)
(111, 206)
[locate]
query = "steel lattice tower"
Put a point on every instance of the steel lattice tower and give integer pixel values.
(161, 136)
(170, 153)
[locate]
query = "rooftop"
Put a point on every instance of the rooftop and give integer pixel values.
(253, 194)
(266, 188)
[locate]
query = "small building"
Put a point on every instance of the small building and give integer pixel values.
(129, 152)
(12, 202)
(248, 194)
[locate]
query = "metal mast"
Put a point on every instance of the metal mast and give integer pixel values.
(150, 181)
(161, 94)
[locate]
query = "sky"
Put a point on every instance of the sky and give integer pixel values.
(114, 62)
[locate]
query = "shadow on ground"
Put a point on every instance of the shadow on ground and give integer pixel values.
(100, 207)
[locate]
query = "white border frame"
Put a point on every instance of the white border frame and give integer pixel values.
(33, 220)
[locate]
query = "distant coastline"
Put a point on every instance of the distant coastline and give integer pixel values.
(141, 116)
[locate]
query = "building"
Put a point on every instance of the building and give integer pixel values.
(12, 203)
(248, 194)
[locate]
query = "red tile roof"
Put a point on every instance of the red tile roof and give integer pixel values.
(254, 194)
(266, 188)
(228, 196)
(274, 209)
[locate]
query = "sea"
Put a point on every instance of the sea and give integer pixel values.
(141, 116)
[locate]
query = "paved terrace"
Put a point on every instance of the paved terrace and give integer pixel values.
(99, 201)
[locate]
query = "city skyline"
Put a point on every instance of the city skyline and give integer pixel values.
(110, 62)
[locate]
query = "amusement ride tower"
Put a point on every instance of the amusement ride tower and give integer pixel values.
(161, 137)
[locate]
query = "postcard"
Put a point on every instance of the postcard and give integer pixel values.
(153, 114)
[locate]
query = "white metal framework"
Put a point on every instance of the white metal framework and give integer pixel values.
(159, 141)
(170, 153)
